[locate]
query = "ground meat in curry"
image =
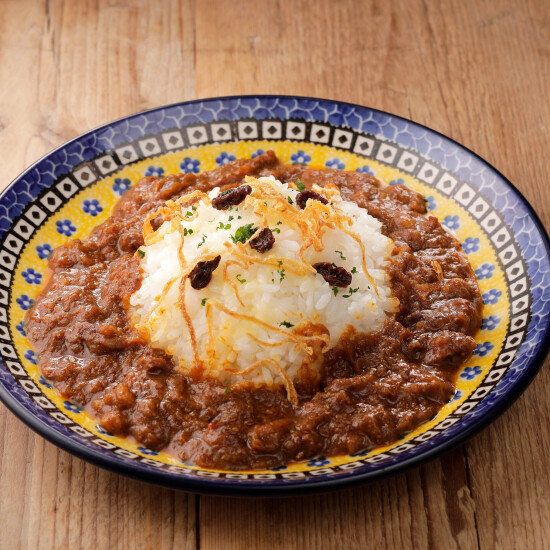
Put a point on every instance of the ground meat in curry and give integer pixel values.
(375, 388)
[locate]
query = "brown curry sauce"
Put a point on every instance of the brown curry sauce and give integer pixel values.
(374, 389)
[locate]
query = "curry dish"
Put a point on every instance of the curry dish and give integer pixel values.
(373, 389)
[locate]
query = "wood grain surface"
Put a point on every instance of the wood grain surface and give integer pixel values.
(476, 70)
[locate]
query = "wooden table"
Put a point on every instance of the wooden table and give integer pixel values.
(476, 70)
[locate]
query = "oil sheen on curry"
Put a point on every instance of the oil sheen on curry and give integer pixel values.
(259, 314)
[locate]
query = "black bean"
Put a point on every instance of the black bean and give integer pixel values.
(231, 197)
(264, 241)
(303, 196)
(201, 275)
(336, 276)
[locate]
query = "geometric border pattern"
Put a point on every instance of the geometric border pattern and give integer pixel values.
(321, 131)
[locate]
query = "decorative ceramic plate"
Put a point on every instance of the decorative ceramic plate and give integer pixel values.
(72, 189)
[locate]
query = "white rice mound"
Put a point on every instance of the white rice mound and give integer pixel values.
(271, 314)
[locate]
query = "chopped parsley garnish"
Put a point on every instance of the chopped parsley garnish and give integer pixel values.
(286, 324)
(223, 193)
(354, 269)
(265, 202)
(227, 391)
(242, 281)
(351, 291)
(335, 290)
(239, 217)
(279, 222)
(187, 231)
(188, 214)
(300, 185)
(202, 242)
(290, 201)
(276, 230)
(243, 233)
(222, 226)
(231, 218)
(281, 271)
(203, 301)
(341, 254)
(141, 253)
(193, 208)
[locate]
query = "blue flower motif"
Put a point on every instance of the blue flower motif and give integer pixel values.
(71, 407)
(121, 185)
(21, 328)
(397, 182)
(65, 227)
(483, 349)
(430, 203)
(44, 251)
(257, 153)
(190, 166)
(31, 276)
(485, 271)
(469, 373)
(457, 395)
(366, 170)
(102, 431)
(44, 382)
(471, 244)
(224, 158)
(31, 356)
(322, 461)
(92, 207)
(491, 296)
(300, 157)
(490, 323)
(451, 222)
(24, 302)
(154, 171)
(335, 164)
(146, 451)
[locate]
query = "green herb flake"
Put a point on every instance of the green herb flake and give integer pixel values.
(188, 214)
(286, 324)
(228, 391)
(202, 242)
(239, 217)
(242, 281)
(223, 193)
(194, 208)
(222, 226)
(300, 185)
(187, 231)
(290, 201)
(243, 233)
(141, 253)
(341, 254)
(203, 301)
(351, 291)
(335, 290)
(230, 218)
(281, 271)
(354, 269)
(276, 230)
(279, 222)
